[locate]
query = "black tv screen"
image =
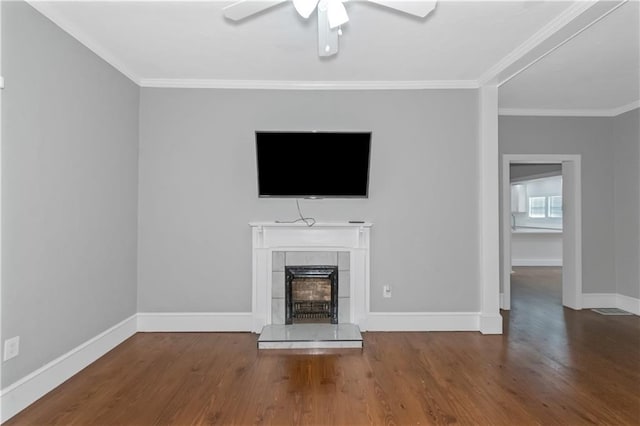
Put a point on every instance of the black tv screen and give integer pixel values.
(313, 164)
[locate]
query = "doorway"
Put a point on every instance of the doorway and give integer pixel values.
(571, 224)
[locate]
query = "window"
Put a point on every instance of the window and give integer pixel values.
(537, 206)
(555, 206)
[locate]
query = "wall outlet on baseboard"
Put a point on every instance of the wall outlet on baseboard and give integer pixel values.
(386, 291)
(11, 348)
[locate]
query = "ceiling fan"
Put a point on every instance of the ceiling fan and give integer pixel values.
(331, 15)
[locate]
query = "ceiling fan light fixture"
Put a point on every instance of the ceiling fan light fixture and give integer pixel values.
(305, 7)
(336, 13)
(331, 15)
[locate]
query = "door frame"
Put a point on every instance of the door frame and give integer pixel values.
(1, 215)
(571, 222)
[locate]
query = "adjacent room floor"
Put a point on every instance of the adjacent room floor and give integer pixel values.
(552, 366)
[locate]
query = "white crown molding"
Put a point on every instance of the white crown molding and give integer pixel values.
(542, 112)
(307, 85)
(536, 39)
(564, 41)
(625, 108)
(44, 7)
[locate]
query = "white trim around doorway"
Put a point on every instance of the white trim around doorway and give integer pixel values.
(572, 225)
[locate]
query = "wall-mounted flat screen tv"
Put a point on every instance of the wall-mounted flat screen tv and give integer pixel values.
(313, 164)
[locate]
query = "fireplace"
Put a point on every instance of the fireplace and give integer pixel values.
(276, 245)
(311, 294)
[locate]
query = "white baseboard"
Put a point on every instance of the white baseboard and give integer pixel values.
(599, 300)
(629, 304)
(423, 321)
(491, 324)
(27, 390)
(30, 388)
(611, 300)
(194, 321)
(536, 262)
(16, 397)
(376, 321)
(502, 302)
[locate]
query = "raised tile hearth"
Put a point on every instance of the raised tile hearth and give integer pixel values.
(310, 336)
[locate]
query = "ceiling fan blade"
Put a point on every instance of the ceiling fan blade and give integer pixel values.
(244, 8)
(419, 8)
(305, 7)
(336, 13)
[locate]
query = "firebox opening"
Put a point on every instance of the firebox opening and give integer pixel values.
(311, 294)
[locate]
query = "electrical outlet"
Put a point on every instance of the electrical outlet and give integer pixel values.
(11, 348)
(386, 291)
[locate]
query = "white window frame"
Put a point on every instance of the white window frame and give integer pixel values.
(544, 207)
(549, 206)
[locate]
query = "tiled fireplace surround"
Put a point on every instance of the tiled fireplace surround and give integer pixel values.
(309, 258)
(276, 245)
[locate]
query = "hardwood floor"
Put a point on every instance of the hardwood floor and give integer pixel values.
(553, 366)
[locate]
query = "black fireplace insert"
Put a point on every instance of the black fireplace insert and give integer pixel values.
(311, 294)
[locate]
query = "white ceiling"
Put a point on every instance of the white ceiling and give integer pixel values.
(162, 43)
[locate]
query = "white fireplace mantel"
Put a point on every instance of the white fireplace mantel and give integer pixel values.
(340, 236)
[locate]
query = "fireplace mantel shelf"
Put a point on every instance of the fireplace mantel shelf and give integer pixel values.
(316, 225)
(323, 236)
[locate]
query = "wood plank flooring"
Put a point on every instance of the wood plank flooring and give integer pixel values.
(553, 366)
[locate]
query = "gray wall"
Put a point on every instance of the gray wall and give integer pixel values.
(592, 139)
(626, 137)
(198, 192)
(69, 191)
